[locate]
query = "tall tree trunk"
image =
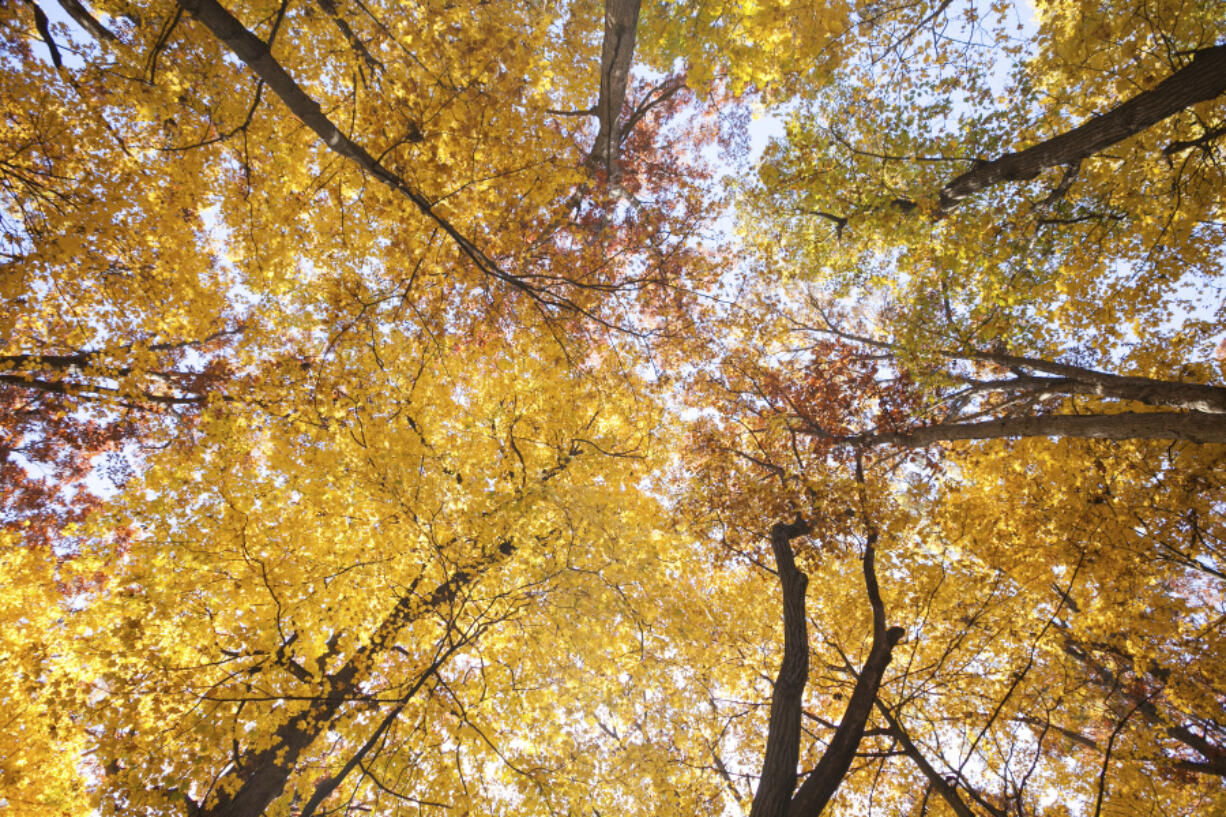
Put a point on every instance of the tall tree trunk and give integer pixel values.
(1202, 79)
(621, 18)
(774, 796)
(1192, 426)
(774, 793)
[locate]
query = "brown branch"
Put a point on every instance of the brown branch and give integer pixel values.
(77, 11)
(255, 54)
(44, 31)
(1151, 391)
(657, 96)
(263, 775)
(1192, 426)
(96, 391)
(1066, 181)
(948, 792)
(329, 785)
(1102, 777)
(1201, 141)
(1202, 79)
(840, 222)
(342, 25)
(1102, 676)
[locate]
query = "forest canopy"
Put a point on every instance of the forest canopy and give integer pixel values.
(456, 407)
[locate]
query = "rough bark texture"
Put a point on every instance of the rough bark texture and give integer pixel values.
(774, 796)
(263, 774)
(1202, 79)
(255, 55)
(774, 792)
(621, 18)
(821, 784)
(1194, 426)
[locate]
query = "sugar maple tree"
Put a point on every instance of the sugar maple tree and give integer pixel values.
(460, 452)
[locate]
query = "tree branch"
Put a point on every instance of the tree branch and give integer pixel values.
(1202, 79)
(938, 783)
(1193, 426)
(77, 11)
(256, 55)
(263, 774)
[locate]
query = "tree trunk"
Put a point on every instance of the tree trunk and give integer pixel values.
(262, 775)
(1192, 426)
(621, 18)
(774, 792)
(774, 796)
(1202, 79)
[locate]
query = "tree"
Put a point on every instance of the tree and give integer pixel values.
(458, 448)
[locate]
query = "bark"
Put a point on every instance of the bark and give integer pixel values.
(821, 784)
(1202, 79)
(947, 791)
(255, 54)
(77, 11)
(1080, 380)
(774, 793)
(774, 796)
(1184, 396)
(248, 789)
(1193, 426)
(621, 19)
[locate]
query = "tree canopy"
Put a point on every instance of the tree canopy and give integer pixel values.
(450, 407)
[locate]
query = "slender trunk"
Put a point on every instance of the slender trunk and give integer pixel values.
(261, 776)
(1202, 79)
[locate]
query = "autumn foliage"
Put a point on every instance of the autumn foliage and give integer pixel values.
(459, 407)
